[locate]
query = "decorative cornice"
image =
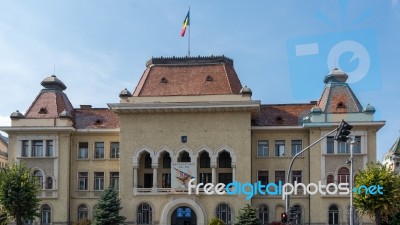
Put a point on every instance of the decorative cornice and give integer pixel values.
(193, 60)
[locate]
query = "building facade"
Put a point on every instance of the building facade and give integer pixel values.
(190, 118)
(3, 151)
(392, 158)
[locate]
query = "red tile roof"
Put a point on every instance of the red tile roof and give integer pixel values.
(96, 118)
(49, 104)
(282, 114)
(188, 76)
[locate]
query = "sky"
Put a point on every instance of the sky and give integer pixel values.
(282, 50)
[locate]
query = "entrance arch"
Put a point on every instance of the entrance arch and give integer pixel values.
(183, 216)
(173, 205)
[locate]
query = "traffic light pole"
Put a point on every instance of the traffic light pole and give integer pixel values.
(294, 158)
(352, 144)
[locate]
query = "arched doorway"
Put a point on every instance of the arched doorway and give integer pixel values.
(168, 210)
(183, 216)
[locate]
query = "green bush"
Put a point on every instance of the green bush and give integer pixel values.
(83, 222)
(216, 221)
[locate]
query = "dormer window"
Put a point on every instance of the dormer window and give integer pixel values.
(164, 80)
(279, 119)
(209, 78)
(98, 122)
(340, 105)
(43, 110)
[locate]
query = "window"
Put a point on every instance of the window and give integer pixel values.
(205, 178)
(37, 149)
(114, 180)
(224, 213)
(279, 176)
(147, 160)
(83, 181)
(279, 148)
(357, 146)
(263, 215)
(225, 178)
(204, 160)
(263, 177)
(98, 181)
(263, 148)
(184, 157)
(49, 148)
(144, 214)
(343, 147)
(330, 145)
(296, 176)
(25, 148)
(296, 147)
(83, 150)
(166, 180)
(333, 214)
(148, 180)
(114, 150)
(343, 175)
(39, 176)
(330, 179)
(166, 160)
(224, 160)
(49, 183)
(99, 150)
(45, 215)
(83, 212)
(298, 220)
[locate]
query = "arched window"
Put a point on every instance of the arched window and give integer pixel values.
(166, 160)
(298, 220)
(49, 183)
(184, 157)
(333, 215)
(204, 160)
(263, 214)
(224, 160)
(343, 175)
(147, 160)
(330, 179)
(224, 213)
(45, 214)
(39, 176)
(144, 214)
(83, 212)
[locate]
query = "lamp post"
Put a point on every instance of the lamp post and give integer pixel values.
(351, 213)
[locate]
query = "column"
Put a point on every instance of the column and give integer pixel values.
(135, 178)
(155, 167)
(213, 173)
(233, 172)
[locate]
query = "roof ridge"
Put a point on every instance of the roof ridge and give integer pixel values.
(227, 77)
(142, 81)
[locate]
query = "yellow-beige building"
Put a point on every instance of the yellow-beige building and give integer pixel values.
(3, 151)
(193, 112)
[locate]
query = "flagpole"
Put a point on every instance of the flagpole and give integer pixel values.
(189, 35)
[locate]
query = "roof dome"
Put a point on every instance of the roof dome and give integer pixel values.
(336, 75)
(125, 93)
(246, 90)
(369, 109)
(53, 82)
(16, 115)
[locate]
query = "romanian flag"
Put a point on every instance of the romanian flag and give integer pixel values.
(186, 23)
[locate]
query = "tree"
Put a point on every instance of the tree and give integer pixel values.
(107, 209)
(247, 216)
(378, 206)
(18, 193)
(216, 221)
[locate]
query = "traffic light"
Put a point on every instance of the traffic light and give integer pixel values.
(283, 217)
(292, 214)
(343, 132)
